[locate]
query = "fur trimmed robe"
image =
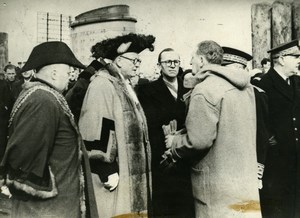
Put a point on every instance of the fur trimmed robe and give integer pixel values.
(108, 98)
(42, 159)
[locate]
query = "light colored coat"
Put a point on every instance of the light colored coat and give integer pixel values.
(221, 136)
(107, 97)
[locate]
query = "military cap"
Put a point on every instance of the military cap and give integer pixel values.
(290, 48)
(48, 53)
(232, 55)
(113, 47)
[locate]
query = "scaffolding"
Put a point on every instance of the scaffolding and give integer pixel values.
(53, 27)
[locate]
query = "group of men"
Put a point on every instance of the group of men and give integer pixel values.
(208, 145)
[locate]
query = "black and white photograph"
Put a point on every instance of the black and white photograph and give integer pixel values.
(150, 109)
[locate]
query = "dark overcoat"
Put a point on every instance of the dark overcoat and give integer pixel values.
(172, 195)
(6, 103)
(282, 177)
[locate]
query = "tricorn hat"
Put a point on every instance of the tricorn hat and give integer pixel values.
(51, 53)
(232, 55)
(112, 48)
(290, 48)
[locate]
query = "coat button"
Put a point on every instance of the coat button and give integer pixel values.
(294, 118)
(297, 139)
(296, 129)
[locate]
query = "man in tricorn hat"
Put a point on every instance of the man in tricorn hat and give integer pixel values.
(42, 159)
(282, 177)
(114, 128)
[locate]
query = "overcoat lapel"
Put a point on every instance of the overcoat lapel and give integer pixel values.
(285, 89)
(296, 89)
(181, 90)
(162, 93)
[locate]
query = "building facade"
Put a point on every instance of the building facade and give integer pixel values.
(99, 24)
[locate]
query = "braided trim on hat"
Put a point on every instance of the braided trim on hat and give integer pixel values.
(235, 58)
(292, 50)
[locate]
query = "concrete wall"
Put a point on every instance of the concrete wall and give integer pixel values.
(3, 50)
(281, 23)
(261, 32)
(273, 25)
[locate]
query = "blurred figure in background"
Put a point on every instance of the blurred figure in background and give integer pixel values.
(265, 67)
(17, 85)
(10, 74)
(76, 93)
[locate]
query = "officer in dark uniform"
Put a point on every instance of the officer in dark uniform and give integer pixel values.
(282, 170)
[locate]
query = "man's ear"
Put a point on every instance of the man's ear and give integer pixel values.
(281, 60)
(202, 61)
(118, 62)
(53, 74)
(159, 65)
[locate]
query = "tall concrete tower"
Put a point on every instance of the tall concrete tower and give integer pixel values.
(99, 24)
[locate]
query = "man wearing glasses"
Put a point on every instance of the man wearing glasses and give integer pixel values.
(161, 101)
(114, 128)
(282, 177)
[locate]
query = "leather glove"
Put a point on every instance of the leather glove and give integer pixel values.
(112, 183)
(169, 140)
(171, 128)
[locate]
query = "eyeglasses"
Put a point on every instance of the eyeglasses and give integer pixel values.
(169, 62)
(135, 61)
(293, 55)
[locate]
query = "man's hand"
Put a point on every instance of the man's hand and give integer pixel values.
(168, 162)
(272, 141)
(112, 183)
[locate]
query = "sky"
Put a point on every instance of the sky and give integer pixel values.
(175, 23)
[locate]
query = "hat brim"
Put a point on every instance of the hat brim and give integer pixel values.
(51, 53)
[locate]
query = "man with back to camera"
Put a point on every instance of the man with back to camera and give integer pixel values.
(237, 59)
(17, 85)
(221, 141)
(162, 102)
